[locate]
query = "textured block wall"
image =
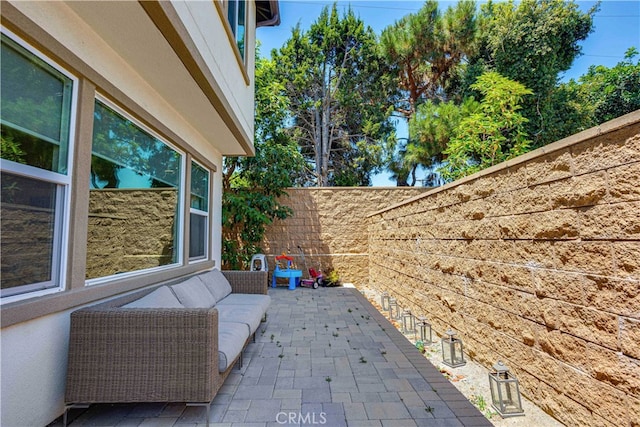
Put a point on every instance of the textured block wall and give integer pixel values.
(329, 224)
(535, 262)
(130, 230)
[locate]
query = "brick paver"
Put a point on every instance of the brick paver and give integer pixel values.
(324, 357)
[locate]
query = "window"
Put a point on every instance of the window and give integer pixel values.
(134, 197)
(37, 108)
(199, 213)
(236, 14)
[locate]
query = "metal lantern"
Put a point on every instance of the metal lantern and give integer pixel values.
(425, 330)
(452, 351)
(393, 308)
(384, 301)
(408, 322)
(505, 391)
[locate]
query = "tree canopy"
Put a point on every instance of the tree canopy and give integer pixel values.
(334, 81)
(610, 92)
(492, 134)
(532, 42)
(442, 71)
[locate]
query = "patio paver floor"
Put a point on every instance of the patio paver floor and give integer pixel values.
(324, 357)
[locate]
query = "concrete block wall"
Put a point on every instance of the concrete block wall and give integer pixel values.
(535, 262)
(329, 224)
(130, 230)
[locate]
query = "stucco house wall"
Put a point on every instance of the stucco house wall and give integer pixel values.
(175, 68)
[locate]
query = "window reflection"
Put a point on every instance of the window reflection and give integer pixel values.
(134, 198)
(36, 110)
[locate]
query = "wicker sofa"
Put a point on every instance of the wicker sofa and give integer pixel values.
(174, 343)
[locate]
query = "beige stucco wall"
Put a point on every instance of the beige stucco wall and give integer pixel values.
(537, 263)
(328, 225)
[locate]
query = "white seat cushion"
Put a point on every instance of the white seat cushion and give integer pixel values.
(160, 298)
(192, 293)
(246, 314)
(217, 284)
(231, 339)
(258, 301)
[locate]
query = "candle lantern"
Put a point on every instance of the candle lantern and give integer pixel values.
(452, 350)
(393, 308)
(425, 330)
(384, 301)
(505, 391)
(408, 322)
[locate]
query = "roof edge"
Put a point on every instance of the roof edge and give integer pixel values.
(267, 13)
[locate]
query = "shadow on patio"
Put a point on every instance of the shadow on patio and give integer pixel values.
(324, 357)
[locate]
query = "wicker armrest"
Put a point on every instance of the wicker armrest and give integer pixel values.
(247, 282)
(143, 355)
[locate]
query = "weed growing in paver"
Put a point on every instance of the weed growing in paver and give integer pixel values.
(429, 409)
(281, 355)
(326, 326)
(263, 331)
(349, 310)
(362, 359)
(383, 352)
(336, 335)
(272, 337)
(328, 379)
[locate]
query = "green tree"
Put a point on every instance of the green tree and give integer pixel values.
(610, 92)
(531, 42)
(423, 51)
(252, 185)
(491, 135)
(432, 128)
(335, 85)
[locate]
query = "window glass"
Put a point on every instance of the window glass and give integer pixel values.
(36, 110)
(236, 14)
(199, 214)
(240, 31)
(197, 236)
(134, 198)
(28, 227)
(36, 106)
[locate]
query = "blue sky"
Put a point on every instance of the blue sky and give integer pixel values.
(617, 28)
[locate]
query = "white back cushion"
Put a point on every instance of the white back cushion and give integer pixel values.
(192, 293)
(160, 298)
(217, 284)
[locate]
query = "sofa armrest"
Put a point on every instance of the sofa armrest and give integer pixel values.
(143, 355)
(247, 282)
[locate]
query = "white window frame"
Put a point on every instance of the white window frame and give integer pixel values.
(62, 181)
(205, 214)
(184, 192)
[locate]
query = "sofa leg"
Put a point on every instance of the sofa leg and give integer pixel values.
(207, 407)
(67, 408)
